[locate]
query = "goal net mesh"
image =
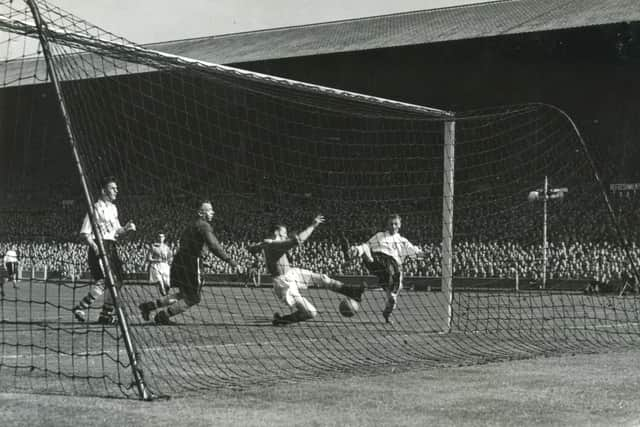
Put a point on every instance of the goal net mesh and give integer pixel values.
(264, 150)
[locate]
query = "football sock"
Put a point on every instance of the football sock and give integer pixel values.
(107, 310)
(96, 290)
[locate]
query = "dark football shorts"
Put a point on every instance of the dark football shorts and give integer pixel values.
(111, 251)
(12, 268)
(386, 269)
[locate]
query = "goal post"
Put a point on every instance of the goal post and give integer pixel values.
(447, 220)
(448, 133)
(103, 259)
(123, 106)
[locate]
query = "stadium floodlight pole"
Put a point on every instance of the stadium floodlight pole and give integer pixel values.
(545, 194)
(143, 391)
(605, 196)
(447, 219)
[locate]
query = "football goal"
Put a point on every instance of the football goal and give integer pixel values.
(499, 261)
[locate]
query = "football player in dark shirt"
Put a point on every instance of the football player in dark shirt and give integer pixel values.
(288, 281)
(185, 269)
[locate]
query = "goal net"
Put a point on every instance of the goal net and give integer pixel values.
(513, 227)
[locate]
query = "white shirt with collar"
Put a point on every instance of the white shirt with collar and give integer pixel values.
(393, 245)
(106, 220)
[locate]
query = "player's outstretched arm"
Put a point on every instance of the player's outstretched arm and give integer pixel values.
(304, 234)
(412, 251)
(254, 249)
(216, 248)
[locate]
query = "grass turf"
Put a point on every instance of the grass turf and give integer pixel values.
(570, 390)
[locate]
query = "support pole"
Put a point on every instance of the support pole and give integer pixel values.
(143, 391)
(447, 219)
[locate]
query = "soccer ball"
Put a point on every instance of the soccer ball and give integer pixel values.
(348, 307)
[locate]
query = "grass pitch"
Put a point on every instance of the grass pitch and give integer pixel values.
(570, 390)
(227, 341)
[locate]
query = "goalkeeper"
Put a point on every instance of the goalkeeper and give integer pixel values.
(383, 255)
(288, 281)
(185, 269)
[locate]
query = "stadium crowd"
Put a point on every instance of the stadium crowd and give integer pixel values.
(488, 244)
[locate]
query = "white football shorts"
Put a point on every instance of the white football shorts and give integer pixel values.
(160, 273)
(287, 286)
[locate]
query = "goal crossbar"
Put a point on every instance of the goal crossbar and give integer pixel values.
(86, 43)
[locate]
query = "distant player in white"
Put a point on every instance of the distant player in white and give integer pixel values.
(11, 265)
(159, 258)
(288, 281)
(383, 255)
(254, 271)
(109, 227)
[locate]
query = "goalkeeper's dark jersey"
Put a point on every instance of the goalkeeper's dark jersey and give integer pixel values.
(194, 239)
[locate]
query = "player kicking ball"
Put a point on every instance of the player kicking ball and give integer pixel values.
(383, 255)
(289, 281)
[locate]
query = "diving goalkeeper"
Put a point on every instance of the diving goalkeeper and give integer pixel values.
(185, 269)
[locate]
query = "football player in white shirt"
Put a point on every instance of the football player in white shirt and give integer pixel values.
(11, 265)
(159, 259)
(109, 227)
(383, 255)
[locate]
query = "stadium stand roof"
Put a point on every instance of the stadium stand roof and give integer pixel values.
(490, 19)
(404, 29)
